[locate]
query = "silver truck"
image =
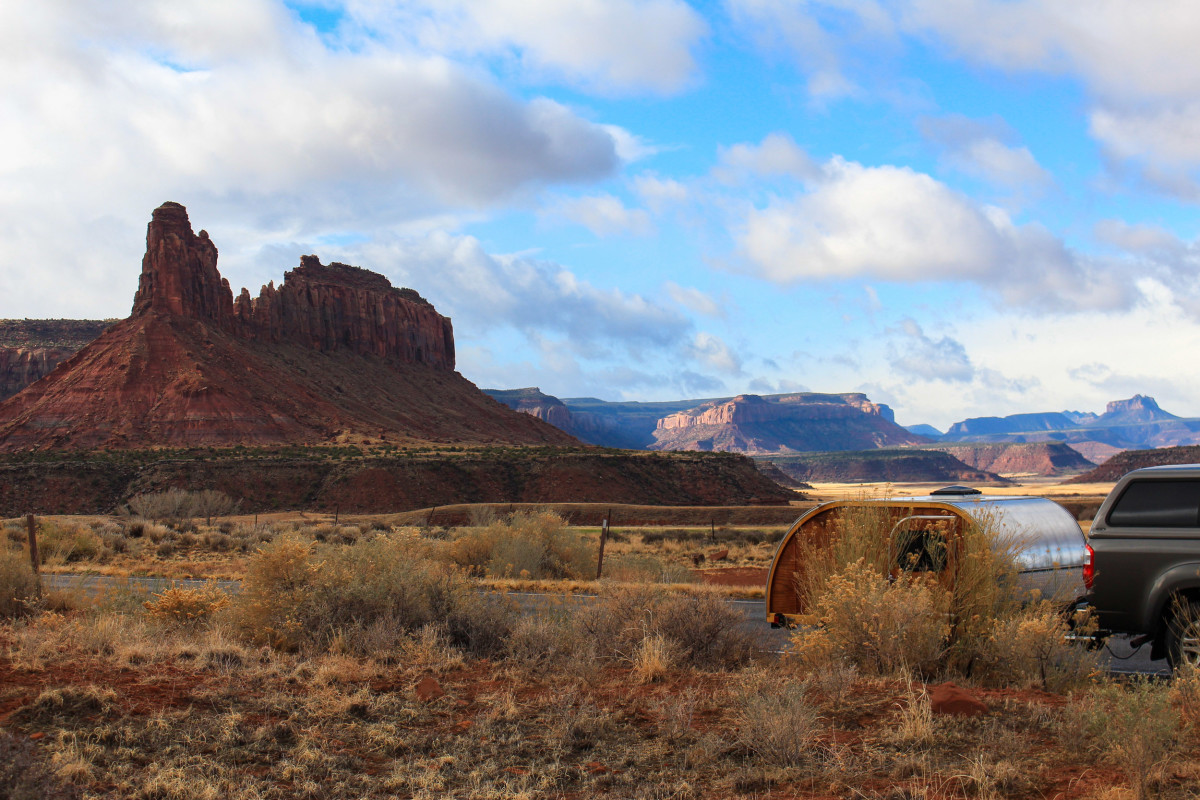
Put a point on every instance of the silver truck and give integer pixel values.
(1145, 562)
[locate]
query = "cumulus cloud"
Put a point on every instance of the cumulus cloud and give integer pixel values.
(917, 355)
(610, 46)
(257, 124)
(660, 193)
(713, 352)
(1136, 60)
(488, 291)
(777, 155)
(603, 215)
(896, 224)
(985, 149)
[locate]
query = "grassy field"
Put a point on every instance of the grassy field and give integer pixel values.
(359, 662)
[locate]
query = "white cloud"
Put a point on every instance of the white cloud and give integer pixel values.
(915, 354)
(608, 46)
(896, 224)
(985, 149)
(604, 215)
(776, 155)
(487, 291)
(817, 34)
(713, 352)
(659, 193)
(1136, 59)
(243, 114)
(693, 299)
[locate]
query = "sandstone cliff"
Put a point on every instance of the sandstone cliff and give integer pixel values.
(783, 423)
(31, 348)
(334, 354)
(533, 402)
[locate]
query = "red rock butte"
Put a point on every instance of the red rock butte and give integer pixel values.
(333, 354)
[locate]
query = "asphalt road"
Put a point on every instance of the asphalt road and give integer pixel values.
(1119, 657)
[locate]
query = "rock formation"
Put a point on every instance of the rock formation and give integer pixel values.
(333, 354)
(31, 348)
(533, 402)
(783, 423)
(908, 465)
(339, 307)
(1014, 458)
(1126, 424)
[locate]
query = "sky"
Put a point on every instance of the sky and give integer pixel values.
(959, 207)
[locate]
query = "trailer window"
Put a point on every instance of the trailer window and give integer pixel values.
(1158, 504)
(920, 549)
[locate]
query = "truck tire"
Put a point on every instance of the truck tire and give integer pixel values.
(1183, 635)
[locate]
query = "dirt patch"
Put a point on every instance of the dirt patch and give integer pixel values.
(734, 576)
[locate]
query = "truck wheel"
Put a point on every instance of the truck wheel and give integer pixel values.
(1183, 635)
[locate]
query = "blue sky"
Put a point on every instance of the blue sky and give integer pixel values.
(959, 207)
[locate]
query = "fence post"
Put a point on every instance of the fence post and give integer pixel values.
(603, 539)
(31, 524)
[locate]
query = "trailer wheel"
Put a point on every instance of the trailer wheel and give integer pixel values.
(1183, 635)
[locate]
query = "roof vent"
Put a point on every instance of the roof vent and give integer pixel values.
(954, 490)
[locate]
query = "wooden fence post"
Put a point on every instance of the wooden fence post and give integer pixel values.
(603, 539)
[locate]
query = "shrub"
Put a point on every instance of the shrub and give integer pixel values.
(1030, 648)
(209, 503)
(1136, 726)
(18, 583)
(66, 542)
(632, 568)
(173, 505)
(183, 606)
(879, 625)
(702, 631)
(777, 722)
(527, 545)
(296, 594)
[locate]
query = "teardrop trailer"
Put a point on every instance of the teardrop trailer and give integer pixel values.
(929, 535)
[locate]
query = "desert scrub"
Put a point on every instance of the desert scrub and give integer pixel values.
(529, 544)
(19, 586)
(300, 595)
(1136, 726)
(777, 722)
(175, 506)
(880, 625)
(61, 542)
(1030, 648)
(635, 568)
(696, 631)
(180, 605)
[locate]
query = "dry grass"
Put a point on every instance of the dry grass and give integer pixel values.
(642, 695)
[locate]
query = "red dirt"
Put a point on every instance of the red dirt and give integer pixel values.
(734, 576)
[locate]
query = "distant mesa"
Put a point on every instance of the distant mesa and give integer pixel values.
(907, 465)
(783, 423)
(749, 424)
(1132, 424)
(333, 354)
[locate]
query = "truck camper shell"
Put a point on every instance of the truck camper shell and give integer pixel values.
(1049, 546)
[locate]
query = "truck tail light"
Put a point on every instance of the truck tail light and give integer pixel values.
(1089, 568)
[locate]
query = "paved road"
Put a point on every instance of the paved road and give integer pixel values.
(1120, 658)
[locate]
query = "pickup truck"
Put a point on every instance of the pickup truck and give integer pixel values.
(1144, 571)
